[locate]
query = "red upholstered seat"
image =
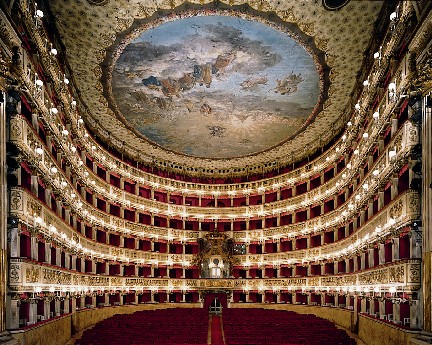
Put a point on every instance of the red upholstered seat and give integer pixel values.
(164, 327)
(266, 326)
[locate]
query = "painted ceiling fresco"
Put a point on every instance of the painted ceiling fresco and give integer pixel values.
(215, 86)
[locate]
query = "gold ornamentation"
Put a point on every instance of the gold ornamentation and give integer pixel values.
(32, 274)
(56, 277)
(123, 24)
(16, 200)
(414, 203)
(34, 208)
(374, 277)
(15, 129)
(287, 15)
(14, 273)
(396, 210)
(397, 274)
(314, 282)
(414, 273)
(339, 280)
(413, 134)
(144, 11)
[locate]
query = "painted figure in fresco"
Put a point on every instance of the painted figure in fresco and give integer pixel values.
(289, 84)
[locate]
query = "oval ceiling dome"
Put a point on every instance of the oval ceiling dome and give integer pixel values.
(215, 86)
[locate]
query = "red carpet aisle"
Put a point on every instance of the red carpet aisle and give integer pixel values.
(216, 331)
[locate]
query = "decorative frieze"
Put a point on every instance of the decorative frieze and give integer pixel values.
(392, 275)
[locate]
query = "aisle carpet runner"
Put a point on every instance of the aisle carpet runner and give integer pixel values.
(216, 331)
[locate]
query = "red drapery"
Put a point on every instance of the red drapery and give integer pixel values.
(209, 298)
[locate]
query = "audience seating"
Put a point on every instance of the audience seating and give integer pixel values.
(264, 326)
(163, 326)
(242, 326)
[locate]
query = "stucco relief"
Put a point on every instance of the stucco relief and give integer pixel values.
(32, 274)
(16, 200)
(374, 277)
(15, 273)
(397, 274)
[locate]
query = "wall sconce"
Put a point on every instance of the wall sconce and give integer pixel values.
(392, 91)
(38, 16)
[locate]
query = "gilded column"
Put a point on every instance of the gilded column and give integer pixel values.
(426, 216)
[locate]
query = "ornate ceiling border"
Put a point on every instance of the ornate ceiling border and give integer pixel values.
(88, 31)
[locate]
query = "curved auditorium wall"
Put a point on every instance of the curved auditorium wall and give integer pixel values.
(90, 228)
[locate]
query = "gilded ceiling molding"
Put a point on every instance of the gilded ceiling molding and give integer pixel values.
(337, 39)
